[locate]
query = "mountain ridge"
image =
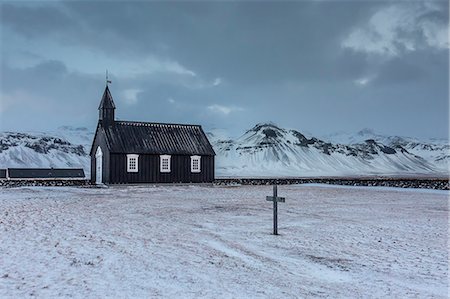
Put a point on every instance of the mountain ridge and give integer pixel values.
(273, 150)
(263, 150)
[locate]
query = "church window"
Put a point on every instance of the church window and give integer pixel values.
(195, 163)
(165, 163)
(132, 163)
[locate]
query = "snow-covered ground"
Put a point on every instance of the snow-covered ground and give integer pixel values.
(216, 242)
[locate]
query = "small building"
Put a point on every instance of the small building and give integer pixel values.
(130, 152)
(42, 174)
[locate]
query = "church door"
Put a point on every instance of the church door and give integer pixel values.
(98, 166)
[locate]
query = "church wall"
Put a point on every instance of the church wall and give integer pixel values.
(149, 170)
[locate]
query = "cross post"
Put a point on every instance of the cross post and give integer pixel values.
(275, 199)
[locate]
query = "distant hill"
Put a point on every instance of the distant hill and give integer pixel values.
(65, 147)
(264, 150)
(268, 150)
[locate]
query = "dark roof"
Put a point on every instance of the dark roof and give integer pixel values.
(45, 173)
(2, 173)
(155, 138)
(107, 100)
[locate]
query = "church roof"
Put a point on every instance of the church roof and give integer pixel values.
(130, 137)
(107, 100)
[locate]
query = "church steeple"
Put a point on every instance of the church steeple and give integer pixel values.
(106, 108)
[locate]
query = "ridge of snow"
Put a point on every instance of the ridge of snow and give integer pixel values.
(266, 149)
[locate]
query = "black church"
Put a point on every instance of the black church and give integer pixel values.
(131, 152)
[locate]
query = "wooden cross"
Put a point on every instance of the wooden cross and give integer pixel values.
(107, 78)
(275, 199)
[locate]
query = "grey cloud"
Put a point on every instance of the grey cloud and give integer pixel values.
(35, 20)
(47, 94)
(399, 28)
(235, 40)
(278, 61)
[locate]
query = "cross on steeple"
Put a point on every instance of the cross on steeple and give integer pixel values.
(107, 80)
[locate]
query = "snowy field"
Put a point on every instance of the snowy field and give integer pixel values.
(216, 242)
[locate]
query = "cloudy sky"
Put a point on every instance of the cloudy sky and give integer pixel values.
(317, 66)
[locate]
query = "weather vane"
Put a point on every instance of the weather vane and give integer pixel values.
(107, 80)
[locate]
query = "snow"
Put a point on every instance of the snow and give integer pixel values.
(434, 150)
(279, 154)
(254, 154)
(215, 242)
(19, 149)
(366, 133)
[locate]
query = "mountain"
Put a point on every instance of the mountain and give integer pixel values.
(65, 147)
(268, 150)
(436, 151)
(264, 150)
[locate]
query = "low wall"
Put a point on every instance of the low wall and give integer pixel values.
(427, 183)
(43, 183)
(431, 183)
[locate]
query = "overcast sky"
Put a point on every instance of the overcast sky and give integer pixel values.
(317, 66)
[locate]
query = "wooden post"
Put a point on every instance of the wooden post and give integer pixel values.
(275, 199)
(275, 210)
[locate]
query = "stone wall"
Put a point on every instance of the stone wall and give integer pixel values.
(431, 183)
(43, 183)
(439, 184)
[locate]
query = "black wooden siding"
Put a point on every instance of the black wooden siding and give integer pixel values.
(2, 173)
(149, 170)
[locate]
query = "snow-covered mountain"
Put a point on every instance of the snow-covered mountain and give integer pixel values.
(264, 150)
(268, 150)
(436, 151)
(65, 147)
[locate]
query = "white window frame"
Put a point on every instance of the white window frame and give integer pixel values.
(196, 158)
(161, 158)
(131, 157)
